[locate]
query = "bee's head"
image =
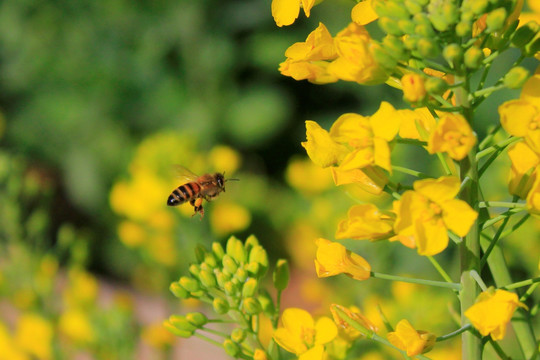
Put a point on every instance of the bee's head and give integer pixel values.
(220, 179)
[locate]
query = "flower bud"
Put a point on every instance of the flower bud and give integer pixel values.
(200, 252)
(464, 29)
(231, 348)
(178, 290)
(424, 30)
(218, 250)
(395, 47)
(208, 279)
(413, 87)
(410, 41)
(189, 284)
(443, 15)
(259, 256)
(220, 306)
(210, 260)
(266, 303)
(495, 20)
(205, 267)
(406, 26)
(249, 288)
(281, 275)
(230, 288)
(222, 278)
(235, 249)
(429, 338)
(238, 335)
(382, 57)
(229, 263)
(413, 7)
(516, 77)
(473, 57)
(251, 306)
(435, 86)
(260, 355)
(197, 319)
(525, 34)
(428, 48)
(253, 269)
(396, 10)
(453, 54)
(241, 275)
(389, 26)
(251, 242)
(181, 323)
(175, 331)
(478, 7)
(194, 270)
(533, 47)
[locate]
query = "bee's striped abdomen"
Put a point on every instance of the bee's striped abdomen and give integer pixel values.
(184, 193)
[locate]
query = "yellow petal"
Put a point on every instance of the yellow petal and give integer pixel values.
(362, 13)
(349, 127)
(533, 198)
(441, 189)
(458, 216)
(365, 221)
(381, 154)
(285, 11)
(516, 116)
(407, 338)
(333, 259)
(307, 5)
(370, 179)
(413, 87)
(412, 120)
(315, 353)
(453, 135)
(357, 159)
(385, 122)
(531, 90)
(432, 236)
(322, 149)
(325, 330)
(289, 341)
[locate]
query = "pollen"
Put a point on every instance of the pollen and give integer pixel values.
(308, 336)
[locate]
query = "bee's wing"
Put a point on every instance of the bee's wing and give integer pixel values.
(185, 174)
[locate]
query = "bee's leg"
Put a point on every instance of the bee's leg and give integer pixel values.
(197, 206)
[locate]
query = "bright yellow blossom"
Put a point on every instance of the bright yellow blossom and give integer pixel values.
(414, 342)
(350, 333)
(412, 120)
(492, 312)
(228, 217)
(34, 334)
(259, 355)
(285, 12)
(321, 148)
(413, 87)
(521, 117)
(533, 198)
(301, 335)
(333, 259)
(426, 214)
(355, 60)
(523, 170)
(366, 221)
(371, 178)
(75, 324)
(302, 174)
(363, 13)
(453, 135)
(9, 349)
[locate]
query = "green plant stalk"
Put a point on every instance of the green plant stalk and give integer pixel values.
(446, 285)
(521, 283)
(469, 249)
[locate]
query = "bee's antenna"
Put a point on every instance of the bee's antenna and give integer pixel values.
(232, 179)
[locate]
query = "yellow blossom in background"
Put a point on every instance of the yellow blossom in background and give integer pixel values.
(228, 217)
(523, 170)
(363, 13)
(259, 355)
(521, 117)
(366, 222)
(426, 214)
(82, 288)
(157, 336)
(299, 239)
(413, 87)
(301, 335)
(9, 350)
(224, 159)
(411, 120)
(285, 12)
(334, 259)
(131, 233)
(370, 179)
(414, 342)
(302, 174)
(453, 135)
(349, 332)
(34, 334)
(75, 324)
(320, 147)
(492, 312)
(162, 249)
(355, 60)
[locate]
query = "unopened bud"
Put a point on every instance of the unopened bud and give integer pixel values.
(428, 48)
(220, 306)
(218, 250)
(208, 279)
(453, 54)
(251, 242)
(435, 86)
(249, 288)
(230, 288)
(178, 290)
(200, 252)
(396, 10)
(410, 41)
(281, 275)
(210, 260)
(413, 87)
(478, 7)
(516, 77)
(175, 331)
(443, 15)
(241, 275)
(260, 355)
(235, 249)
(195, 270)
(189, 284)
(266, 303)
(238, 335)
(251, 306)
(424, 30)
(389, 26)
(533, 47)
(413, 7)
(259, 255)
(395, 47)
(382, 57)
(229, 263)
(464, 29)
(525, 34)
(429, 338)
(222, 278)
(231, 348)
(495, 20)
(197, 319)
(406, 26)
(181, 323)
(253, 269)
(473, 57)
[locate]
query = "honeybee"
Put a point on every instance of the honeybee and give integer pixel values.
(197, 188)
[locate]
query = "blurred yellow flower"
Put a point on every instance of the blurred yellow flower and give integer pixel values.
(9, 350)
(523, 171)
(426, 214)
(75, 324)
(321, 148)
(349, 332)
(413, 87)
(355, 61)
(285, 12)
(453, 135)
(304, 175)
(162, 249)
(259, 355)
(411, 120)
(82, 288)
(414, 342)
(228, 217)
(492, 312)
(302, 335)
(224, 159)
(366, 222)
(157, 336)
(333, 259)
(363, 13)
(131, 233)
(34, 335)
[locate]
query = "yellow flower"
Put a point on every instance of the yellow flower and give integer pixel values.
(304, 175)
(523, 170)
(533, 198)
(411, 120)
(320, 147)
(286, 11)
(157, 336)
(131, 233)
(363, 13)
(413, 87)
(354, 313)
(426, 214)
(301, 335)
(492, 312)
(10, 350)
(224, 159)
(333, 259)
(414, 342)
(521, 117)
(453, 135)
(34, 334)
(366, 221)
(371, 178)
(75, 324)
(82, 289)
(259, 354)
(355, 60)
(228, 217)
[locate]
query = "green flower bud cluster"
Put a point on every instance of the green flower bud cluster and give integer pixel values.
(229, 279)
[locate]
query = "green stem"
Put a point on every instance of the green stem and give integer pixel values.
(454, 333)
(487, 91)
(453, 286)
(497, 147)
(521, 283)
(506, 214)
(411, 142)
(415, 173)
(440, 270)
(489, 136)
(505, 204)
(529, 292)
(474, 274)
(207, 339)
(498, 349)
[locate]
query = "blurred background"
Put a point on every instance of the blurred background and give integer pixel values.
(99, 100)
